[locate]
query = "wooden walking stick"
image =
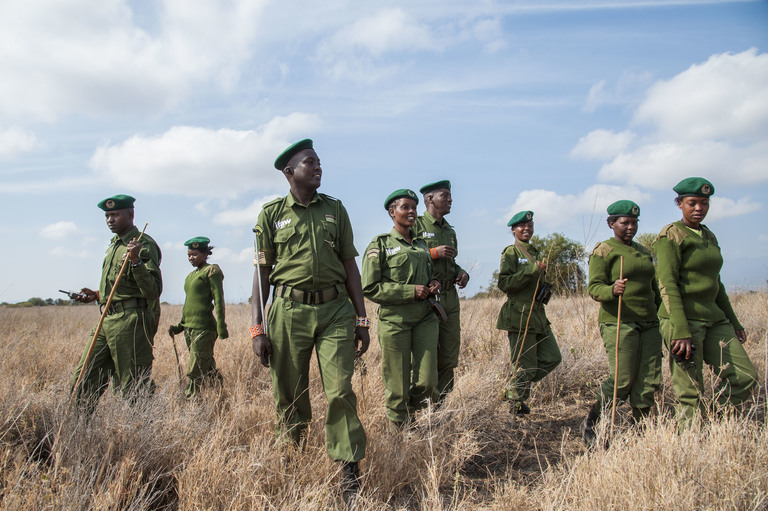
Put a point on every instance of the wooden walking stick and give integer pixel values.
(178, 362)
(616, 359)
(87, 359)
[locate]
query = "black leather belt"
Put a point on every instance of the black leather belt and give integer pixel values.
(130, 303)
(307, 297)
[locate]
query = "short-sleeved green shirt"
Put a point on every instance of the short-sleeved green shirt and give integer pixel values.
(434, 234)
(305, 244)
(144, 281)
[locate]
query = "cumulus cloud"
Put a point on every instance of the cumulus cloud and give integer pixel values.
(200, 162)
(602, 144)
(67, 253)
(723, 207)
(14, 141)
(243, 217)
(60, 230)
(226, 255)
(93, 57)
(555, 210)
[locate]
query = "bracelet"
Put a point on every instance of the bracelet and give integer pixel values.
(363, 322)
(141, 261)
(257, 330)
(433, 253)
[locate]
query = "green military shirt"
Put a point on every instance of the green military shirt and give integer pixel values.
(434, 234)
(641, 298)
(306, 244)
(392, 268)
(518, 276)
(204, 289)
(688, 268)
(144, 281)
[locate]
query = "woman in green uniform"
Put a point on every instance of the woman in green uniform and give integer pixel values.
(204, 293)
(619, 267)
(697, 321)
(397, 275)
(532, 345)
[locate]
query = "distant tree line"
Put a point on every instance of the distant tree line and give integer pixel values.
(40, 302)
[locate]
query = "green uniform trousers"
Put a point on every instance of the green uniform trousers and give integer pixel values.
(448, 341)
(295, 329)
(717, 345)
(639, 374)
(540, 355)
(122, 352)
(408, 357)
(201, 368)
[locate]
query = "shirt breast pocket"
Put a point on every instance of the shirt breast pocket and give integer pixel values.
(399, 268)
(284, 239)
(330, 235)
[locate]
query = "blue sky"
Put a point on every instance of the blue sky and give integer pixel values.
(556, 106)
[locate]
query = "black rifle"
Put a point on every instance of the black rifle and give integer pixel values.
(73, 295)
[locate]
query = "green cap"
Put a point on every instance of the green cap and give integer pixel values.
(694, 187)
(624, 208)
(285, 156)
(519, 218)
(197, 243)
(117, 202)
(435, 186)
(397, 194)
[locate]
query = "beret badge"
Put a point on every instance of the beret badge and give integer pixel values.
(706, 189)
(110, 204)
(635, 210)
(528, 215)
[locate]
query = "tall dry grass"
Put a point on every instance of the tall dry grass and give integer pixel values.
(221, 452)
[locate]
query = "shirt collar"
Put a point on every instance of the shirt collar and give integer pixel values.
(133, 232)
(292, 200)
(428, 216)
(395, 234)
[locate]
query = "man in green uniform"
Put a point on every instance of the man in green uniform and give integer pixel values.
(123, 348)
(306, 251)
(440, 237)
(532, 344)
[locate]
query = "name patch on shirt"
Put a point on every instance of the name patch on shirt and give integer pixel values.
(392, 251)
(426, 234)
(282, 223)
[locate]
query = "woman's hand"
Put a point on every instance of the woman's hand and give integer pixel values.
(619, 286)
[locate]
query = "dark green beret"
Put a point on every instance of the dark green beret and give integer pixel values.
(285, 156)
(694, 187)
(117, 202)
(435, 186)
(624, 208)
(197, 243)
(519, 218)
(402, 192)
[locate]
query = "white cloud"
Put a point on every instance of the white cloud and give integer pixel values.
(243, 217)
(16, 140)
(92, 57)
(596, 96)
(67, 253)
(722, 207)
(226, 255)
(553, 210)
(602, 144)
(60, 230)
(200, 162)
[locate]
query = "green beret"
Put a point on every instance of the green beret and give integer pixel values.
(435, 186)
(624, 208)
(282, 161)
(402, 192)
(197, 243)
(117, 202)
(519, 218)
(694, 187)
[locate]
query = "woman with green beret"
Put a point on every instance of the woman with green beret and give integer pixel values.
(204, 293)
(398, 276)
(697, 321)
(533, 347)
(619, 267)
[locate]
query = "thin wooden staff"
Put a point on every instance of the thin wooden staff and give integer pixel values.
(616, 359)
(178, 361)
(86, 360)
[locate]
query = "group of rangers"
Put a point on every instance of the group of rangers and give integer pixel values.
(305, 258)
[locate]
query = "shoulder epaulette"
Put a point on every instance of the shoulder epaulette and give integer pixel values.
(673, 232)
(273, 202)
(330, 197)
(213, 269)
(602, 249)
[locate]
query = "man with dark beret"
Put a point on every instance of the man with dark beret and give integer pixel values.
(123, 348)
(306, 251)
(440, 237)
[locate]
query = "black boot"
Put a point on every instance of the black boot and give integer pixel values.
(350, 483)
(588, 428)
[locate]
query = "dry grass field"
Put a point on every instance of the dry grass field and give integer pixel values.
(221, 453)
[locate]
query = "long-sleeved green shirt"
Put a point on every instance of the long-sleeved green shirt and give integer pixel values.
(518, 276)
(688, 267)
(641, 298)
(392, 268)
(204, 290)
(144, 281)
(434, 234)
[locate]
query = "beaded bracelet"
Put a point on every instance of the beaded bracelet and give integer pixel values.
(433, 253)
(257, 330)
(363, 322)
